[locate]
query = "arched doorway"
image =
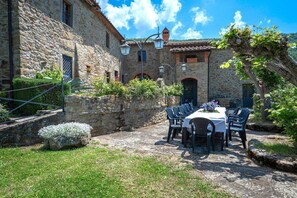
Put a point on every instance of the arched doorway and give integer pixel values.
(190, 91)
(145, 76)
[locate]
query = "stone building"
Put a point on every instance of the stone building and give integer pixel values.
(203, 79)
(73, 35)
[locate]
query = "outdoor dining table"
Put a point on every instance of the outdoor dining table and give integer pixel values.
(218, 117)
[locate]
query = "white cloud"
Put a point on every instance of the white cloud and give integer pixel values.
(116, 13)
(192, 34)
(237, 20)
(142, 13)
(175, 27)
(119, 16)
(200, 16)
(237, 23)
(169, 10)
(268, 21)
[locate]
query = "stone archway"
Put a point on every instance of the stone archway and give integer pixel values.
(145, 76)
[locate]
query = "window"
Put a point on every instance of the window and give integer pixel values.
(107, 75)
(67, 66)
(143, 55)
(116, 74)
(200, 56)
(194, 58)
(67, 13)
(123, 78)
(107, 40)
(191, 58)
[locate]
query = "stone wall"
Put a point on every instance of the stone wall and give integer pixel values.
(224, 84)
(44, 38)
(150, 66)
(25, 132)
(107, 114)
(172, 73)
(197, 71)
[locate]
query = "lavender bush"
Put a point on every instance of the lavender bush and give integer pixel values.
(65, 135)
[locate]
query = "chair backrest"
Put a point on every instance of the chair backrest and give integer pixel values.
(243, 115)
(192, 107)
(187, 108)
(170, 115)
(176, 111)
(200, 125)
(232, 112)
(183, 110)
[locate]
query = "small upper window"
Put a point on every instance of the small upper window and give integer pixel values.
(107, 40)
(116, 74)
(67, 13)
(143, 55)
(107, 75)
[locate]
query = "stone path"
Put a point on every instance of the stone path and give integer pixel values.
(230, 169)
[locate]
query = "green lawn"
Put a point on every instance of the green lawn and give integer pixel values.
(276, 148)
(95, 172)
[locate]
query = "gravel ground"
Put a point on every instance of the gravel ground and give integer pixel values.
(230, 169)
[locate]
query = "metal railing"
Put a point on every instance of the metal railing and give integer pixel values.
(31, 101)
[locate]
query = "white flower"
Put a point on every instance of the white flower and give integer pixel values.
(71, 130)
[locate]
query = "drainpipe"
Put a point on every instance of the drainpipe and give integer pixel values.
(10, 44)
(208, 76)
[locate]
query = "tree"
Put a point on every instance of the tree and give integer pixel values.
(262, 57)
(267, 44)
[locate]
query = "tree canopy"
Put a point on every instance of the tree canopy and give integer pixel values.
(266, 47)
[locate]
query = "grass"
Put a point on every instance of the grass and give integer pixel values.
(95, 172)
(277, 148)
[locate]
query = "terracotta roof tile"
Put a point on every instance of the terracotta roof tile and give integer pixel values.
(191, 48)
(189, 43)
(183, 46)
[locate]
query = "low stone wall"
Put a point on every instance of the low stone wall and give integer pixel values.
(24, 132)
(107, 114)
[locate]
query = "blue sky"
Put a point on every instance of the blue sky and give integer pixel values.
(197, 19)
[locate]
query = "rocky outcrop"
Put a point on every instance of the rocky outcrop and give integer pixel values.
(269, 127)
(62, 142)
(283, 163)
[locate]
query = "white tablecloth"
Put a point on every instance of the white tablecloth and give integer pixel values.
(218, 118)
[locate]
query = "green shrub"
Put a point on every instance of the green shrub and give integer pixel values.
(173, 90)
(3, 114)
(283, 111)
(53, 97)
(54, 74)
(112, 88)
(144, 88)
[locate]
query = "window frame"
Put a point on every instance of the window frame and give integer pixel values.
(107, 40)
(68, 20)
(107, 76)
(72, 69)
(139, 56)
